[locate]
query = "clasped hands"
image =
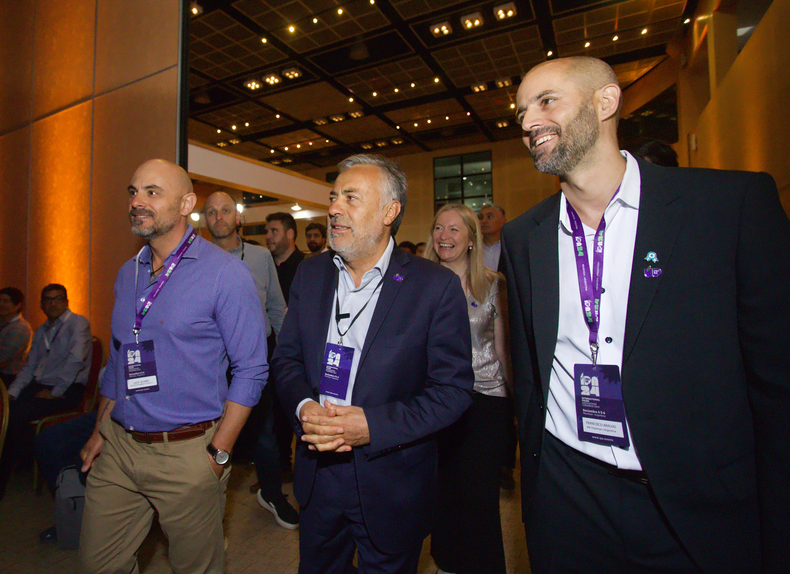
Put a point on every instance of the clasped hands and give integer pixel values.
(333, 428)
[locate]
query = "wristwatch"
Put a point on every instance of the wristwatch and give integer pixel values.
(221, 457)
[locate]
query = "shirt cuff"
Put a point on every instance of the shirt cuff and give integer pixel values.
(299, 407)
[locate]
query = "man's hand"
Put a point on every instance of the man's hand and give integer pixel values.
(334, 428)
(319, 426)
(46, 394)
(217, 468)
(91, 450)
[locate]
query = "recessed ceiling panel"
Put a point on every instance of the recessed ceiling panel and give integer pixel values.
(496, 104)
(392, 82)
(311, 102)
(362, 52)
(359, 130)
(299, 137)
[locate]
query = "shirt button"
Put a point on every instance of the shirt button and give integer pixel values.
(131, 428)
(127, 397)
(603, 290)
(142, 299)
(608, 339)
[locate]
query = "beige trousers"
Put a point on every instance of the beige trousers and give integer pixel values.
(130, 481)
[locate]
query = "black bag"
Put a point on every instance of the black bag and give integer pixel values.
(69, 504)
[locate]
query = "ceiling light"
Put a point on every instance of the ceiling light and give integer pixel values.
(298, 146)
(396, 90)
(194, 216)
(372, 1)
(549, 53)
(246, 124)
(615, 38)
(381, 144)
(292, 73)
(356, 114)
(468, 113)
(375, 94)
(413, 84)
(296, 207)
(315, 20)
(195, 8)
(415, 124)
(339, 11)
(644, 31)
(219, 131)
(285, 148)
(264, 40)
(397, 141)
(479, 88)
(272, 151)
(291, 29)
(287, 160)
(441, 29)
(276, 162)
(239, 208)
(222, 144)
(277, 116)
(447, 118)
(436, 80)
(586, 44)
(337, 118)
(272, 79)
(350, 99)
(234, 141)
(504, 11)
(502, 124)
(687, 21)
(367, 146)
(512, 106)
(429, 121)
(320, 122)
(233, 127)
(309, 143)
(504, 82)
(327, 141)
(472, 20)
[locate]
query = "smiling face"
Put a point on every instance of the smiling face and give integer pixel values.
(558, 119)
(451, 238)
(221, 215)
(159, 199)
(359, 221)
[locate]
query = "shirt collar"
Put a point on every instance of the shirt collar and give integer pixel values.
(378, 269)
(237, 250)
(191, 253)
(628, 195)
(62, 319)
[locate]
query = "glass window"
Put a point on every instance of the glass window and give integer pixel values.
(463, 179)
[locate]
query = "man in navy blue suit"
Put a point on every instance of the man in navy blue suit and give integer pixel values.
(373, 359)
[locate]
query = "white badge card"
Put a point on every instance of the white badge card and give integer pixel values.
(140, 367)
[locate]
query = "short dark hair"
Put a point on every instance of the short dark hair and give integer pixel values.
(319, 226)
(392, 177)
(408, 246)
(657, 152)
(16, 296)
(54, 287)
(286, 219)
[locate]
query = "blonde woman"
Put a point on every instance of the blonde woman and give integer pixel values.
(467, 538)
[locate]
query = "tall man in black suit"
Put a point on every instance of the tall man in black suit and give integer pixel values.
(374, 358)
(653, 390)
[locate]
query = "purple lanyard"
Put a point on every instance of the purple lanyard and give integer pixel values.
(160, 283)
(590, 281)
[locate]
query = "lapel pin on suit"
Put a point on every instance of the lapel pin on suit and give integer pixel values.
(650, 272)
(398, 277)
(652, 256)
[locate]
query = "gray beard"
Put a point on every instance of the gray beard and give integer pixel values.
(575, 141)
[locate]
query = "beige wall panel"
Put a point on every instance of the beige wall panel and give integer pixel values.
(60, 216)
(746, 122)
(132, 124)
(134, 39)
(63, 49)
(517, 184)
(16, 55)
(14, 157)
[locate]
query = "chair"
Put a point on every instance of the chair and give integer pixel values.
(89, 401)
(3, 415)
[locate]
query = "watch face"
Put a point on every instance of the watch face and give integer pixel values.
(222, 457)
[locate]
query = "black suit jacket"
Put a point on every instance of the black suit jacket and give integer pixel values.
(414, 378)
(706, 359)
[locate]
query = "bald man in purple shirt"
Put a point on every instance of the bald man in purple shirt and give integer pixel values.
(186, 313)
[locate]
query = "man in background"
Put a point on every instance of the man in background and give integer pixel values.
(315, 234)
(15, 334)
(492, 218)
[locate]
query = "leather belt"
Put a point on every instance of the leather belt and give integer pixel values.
(179, 434)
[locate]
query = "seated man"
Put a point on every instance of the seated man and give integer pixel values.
(53, 378)
(15, 334)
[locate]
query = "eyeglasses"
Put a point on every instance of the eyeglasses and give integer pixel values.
(52, 299)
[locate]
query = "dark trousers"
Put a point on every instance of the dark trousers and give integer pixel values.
(584, 520)
(59, 446)
(511, 439)
(331, 527)
(467, 538)
(267, 453)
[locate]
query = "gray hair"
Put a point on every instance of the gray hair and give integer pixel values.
(392, 176)
(494, 206)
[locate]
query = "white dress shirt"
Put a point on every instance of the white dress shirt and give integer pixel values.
(573, 345)
(352, 300)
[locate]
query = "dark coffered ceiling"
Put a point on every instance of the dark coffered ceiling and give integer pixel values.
(349, 76)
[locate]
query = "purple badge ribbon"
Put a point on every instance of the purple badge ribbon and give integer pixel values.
(160, 283)
(398, 277)
(590, 280)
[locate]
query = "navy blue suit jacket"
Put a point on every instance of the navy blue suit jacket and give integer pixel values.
(414, 378)
(706, 357)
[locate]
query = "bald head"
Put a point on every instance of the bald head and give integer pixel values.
(160, 199)
(221, 215)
